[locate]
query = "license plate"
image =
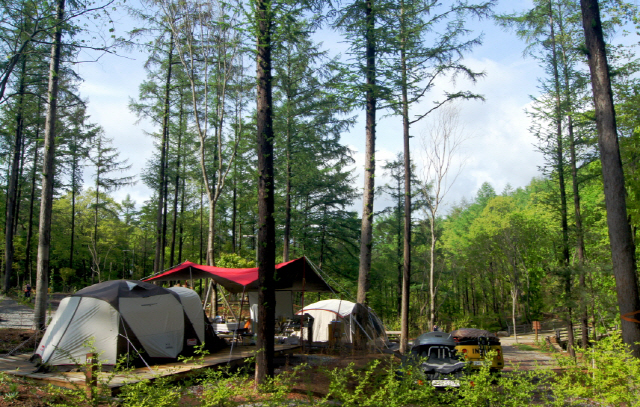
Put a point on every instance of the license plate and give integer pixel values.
(478, 363)
(445, 383)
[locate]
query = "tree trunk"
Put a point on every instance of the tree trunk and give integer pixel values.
(432, 269)
(74, 188)
(165, 199)
(366, 235)
(157, 262)
(16, 215)
(514, 303)
(406, 268)
(560, 169)
(201, 221)
(620, 238)
(13, 182)
(211, 261)
(32, 199)
(234, 211)
(181, 239)
(287, 201)
(266, 233)
(96, 257)
(176, 192)
(46, 200)
(580, 250)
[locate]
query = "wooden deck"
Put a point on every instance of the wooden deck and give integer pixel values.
(20, 366)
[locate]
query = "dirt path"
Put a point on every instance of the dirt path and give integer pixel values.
(518, 359)
(14, 314)
(20, 316)
(521, 359)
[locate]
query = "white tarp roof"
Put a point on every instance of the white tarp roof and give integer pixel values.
(339, 307)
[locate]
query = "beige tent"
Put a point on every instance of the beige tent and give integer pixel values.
(348, 316)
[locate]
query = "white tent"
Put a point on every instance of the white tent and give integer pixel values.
(122, 317)
(343, 312)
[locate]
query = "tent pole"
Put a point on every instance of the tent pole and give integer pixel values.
(235, 335)
(206, 297)
(233, 314)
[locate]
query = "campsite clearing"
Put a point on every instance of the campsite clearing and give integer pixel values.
(20, 366)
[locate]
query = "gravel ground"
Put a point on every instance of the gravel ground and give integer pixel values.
(517, 359)
(20, 316)
(14, 314)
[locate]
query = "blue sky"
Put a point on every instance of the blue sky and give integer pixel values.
(498, 150)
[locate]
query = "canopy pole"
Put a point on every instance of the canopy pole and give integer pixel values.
(233, 314)
(206, 297)
(235, 332)
(240, 313)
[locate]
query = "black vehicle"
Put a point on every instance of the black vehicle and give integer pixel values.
(435, 354)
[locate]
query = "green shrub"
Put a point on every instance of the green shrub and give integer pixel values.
(159, 393)
(607, 375)
(375, 386)
(481, 387)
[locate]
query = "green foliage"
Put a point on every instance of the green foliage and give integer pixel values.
(11, 386)
(66, 273)
(377, 386)
(219, 387)
(482, 387)
(159, 393)
(233, 260)
(606, 374)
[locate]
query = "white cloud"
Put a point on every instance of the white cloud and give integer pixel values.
(108, 85)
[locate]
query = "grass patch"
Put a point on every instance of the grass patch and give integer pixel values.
(522, 346)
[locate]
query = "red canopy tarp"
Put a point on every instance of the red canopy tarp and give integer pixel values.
(289, 276)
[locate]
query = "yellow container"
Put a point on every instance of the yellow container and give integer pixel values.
(475, 355)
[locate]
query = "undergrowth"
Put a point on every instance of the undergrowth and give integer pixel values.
(606, 375)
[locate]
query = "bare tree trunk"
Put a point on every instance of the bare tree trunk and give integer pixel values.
(514, 303)
(176, 191)
(19, 187)
(432, 269)
(96, 257)
(287, 202)
(406, 268)
(580, 251)
(621, 240)
(234, 210)
(165, 212)
(157, 262)
(32, 199)
(201, 221)
(366, 235)
(181, 238)
(13, 182)
(560, 169)
(266, 232)
(46, 200)
(74, 189)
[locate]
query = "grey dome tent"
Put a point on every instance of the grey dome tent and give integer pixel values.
(126, 317)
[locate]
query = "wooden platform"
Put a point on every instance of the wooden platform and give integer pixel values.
(20, 366)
